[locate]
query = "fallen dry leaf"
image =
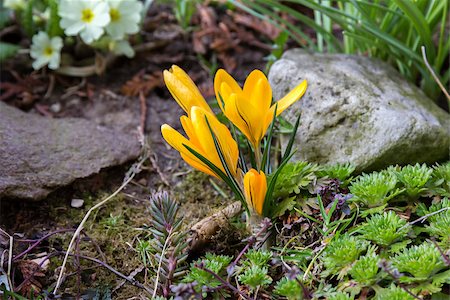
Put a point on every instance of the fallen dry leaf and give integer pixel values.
(25, 90)
(142, 83)
(31, 272)
(262, 26)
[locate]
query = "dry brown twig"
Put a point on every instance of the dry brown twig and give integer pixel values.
(435, 77)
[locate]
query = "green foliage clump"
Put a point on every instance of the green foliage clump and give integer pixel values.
(253, 271)
(255, 277)
(384, 229)
(289, 288)
(257, 257)
(341, 253)
(393, 293)
(293, 177)
(337, 171)
(356, 255)
(212, 262)
(439, 220)
(340, 296)
(374, 189)
(365, 269)
(414, 178)
(420, 261)
(441, 178)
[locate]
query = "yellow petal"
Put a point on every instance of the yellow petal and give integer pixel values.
(260, 189)
(198, 165)
(177, 141)
(252, 116)
(183, 89)
(255, 189)
(233, 114)
(186, 123)
(223, 77)
(227, 144)
(257, 90)
(294, 95)
(203, 133)
(225, 92)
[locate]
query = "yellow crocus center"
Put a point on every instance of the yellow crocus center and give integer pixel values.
(87, 15)
(48, 51)
(114, 14)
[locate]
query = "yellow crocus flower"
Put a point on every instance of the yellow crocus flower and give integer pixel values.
(184, 90)
(255, 188)
(250, 109)
(201, 140)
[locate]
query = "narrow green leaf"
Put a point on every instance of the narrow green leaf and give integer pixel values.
(287, 152)
(7, 50)
(27, 19)
(252, 156)
(224, 164)
(322, 209)
(265, 162)
(210, 165)
(276, 20)
(53, 28)
(242, 163)
(418, 20)
(5, 14)
(268, 201)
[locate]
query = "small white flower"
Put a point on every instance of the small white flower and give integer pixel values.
(121, 48)
(85, 17)
(46, 50)
(125, 17)
(14, 4)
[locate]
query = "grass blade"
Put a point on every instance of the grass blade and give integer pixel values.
(265, 162)
(287, 152)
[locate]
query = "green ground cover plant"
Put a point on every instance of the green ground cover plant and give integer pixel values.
(345, 247)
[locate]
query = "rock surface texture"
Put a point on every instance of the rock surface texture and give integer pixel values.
(359, 110)
(38, 155)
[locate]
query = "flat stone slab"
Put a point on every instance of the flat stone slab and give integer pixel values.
(359, 110)
(38, 154)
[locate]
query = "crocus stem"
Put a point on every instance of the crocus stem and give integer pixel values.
(254, 222)
(258, 157)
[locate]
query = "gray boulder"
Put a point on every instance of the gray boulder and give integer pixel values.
(38, 155)
(359, 110)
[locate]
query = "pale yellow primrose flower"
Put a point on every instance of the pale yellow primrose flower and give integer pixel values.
(46, 50)
(125, 16)
(250, 109)
(201, 140)
(85, 17)
(255, 188)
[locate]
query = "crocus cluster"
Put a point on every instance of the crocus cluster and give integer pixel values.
(102, 24)
(210, 146)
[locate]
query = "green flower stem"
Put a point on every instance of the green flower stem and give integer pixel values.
(253, 226)
(258, 157)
